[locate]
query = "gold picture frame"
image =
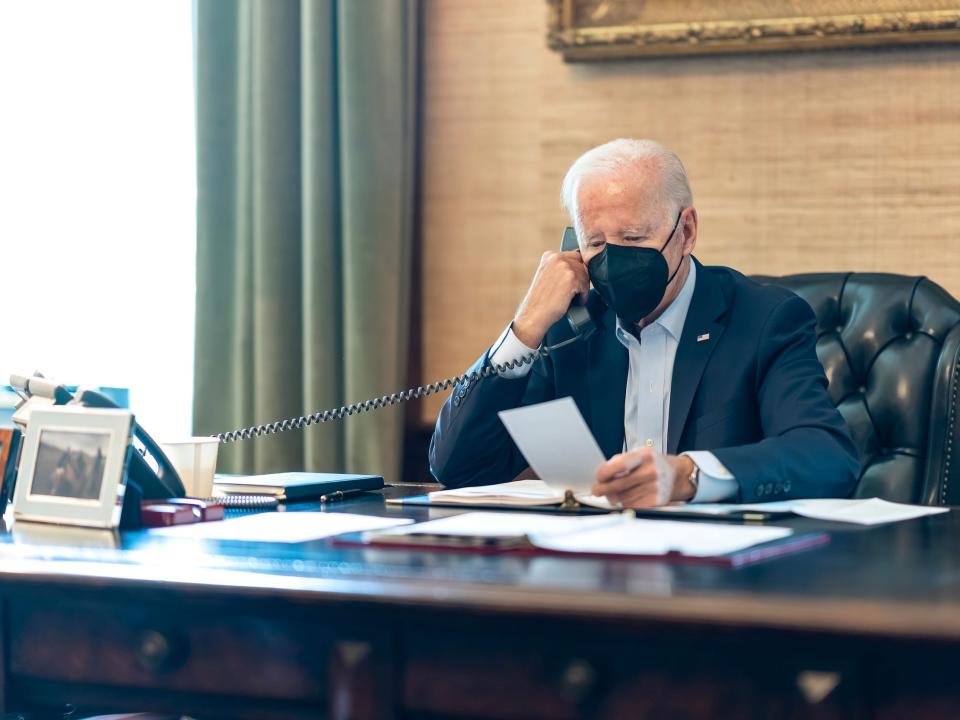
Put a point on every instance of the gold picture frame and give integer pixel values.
(605, 29)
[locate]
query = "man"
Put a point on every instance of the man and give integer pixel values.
(699, 384)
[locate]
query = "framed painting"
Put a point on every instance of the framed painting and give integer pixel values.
(600, 29)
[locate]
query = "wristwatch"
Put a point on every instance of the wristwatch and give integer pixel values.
(695, 479)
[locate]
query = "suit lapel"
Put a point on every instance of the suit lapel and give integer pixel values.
(607, 364)
(701, 333)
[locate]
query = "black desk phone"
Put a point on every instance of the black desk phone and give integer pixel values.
(150, 473)
(153, 474)
(150, 468)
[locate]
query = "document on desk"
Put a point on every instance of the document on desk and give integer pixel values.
(613, 534)
(868, 511)
(496, 525)
(659, 537)
(556, 441)
(281, 527)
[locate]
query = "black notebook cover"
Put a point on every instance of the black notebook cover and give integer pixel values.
(295, 485)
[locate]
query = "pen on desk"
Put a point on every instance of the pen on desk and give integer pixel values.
(340, 495)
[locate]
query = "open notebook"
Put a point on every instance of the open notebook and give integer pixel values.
(521, 493)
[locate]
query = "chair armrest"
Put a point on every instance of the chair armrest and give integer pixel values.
(942, 478)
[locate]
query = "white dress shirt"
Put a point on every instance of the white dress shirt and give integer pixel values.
(646, 407)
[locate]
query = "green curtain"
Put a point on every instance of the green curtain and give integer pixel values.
(305, 172)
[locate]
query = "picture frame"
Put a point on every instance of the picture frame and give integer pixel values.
(607, 29)
(73, 466)
(9, 455)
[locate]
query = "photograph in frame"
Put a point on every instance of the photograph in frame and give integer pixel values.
(73, 467)
(70, 464)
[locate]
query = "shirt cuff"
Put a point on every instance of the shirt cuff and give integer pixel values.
(716, 482)
(507, 349)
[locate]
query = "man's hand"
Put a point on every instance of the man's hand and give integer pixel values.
(645, 478)
(560, 277)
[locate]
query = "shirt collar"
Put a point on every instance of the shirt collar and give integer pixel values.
(674, 316)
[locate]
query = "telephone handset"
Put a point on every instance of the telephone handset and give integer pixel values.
(579, 314)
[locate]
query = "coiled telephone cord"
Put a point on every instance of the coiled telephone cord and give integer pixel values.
(323, 416)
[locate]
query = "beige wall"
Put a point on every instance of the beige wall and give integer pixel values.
(844, 160)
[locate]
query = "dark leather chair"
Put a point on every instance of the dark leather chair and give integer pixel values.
(890, 346)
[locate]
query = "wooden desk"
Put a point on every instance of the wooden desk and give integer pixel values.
(870, 622)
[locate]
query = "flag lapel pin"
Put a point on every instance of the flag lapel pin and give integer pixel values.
(703, 338)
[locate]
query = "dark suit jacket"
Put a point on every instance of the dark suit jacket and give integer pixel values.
(754, 394)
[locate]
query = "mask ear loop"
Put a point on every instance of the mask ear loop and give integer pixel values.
(670, 240)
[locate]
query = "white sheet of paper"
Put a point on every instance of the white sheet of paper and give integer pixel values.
(658, 537)
(870, 511)
(506, 524)
(281, 527)
(867, 511)
(555, 440)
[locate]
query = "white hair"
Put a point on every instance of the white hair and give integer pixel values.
(621, 155)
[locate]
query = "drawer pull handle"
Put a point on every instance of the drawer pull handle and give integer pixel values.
(816, 685)
(578, 679)
(159, 652)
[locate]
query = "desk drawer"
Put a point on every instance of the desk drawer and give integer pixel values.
(198, 650)
(512, 673)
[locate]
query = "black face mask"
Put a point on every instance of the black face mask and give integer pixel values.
(632, 280)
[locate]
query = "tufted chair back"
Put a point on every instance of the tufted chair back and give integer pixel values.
(890, 346)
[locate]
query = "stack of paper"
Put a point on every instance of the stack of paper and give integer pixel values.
(614, 534)
(659, 537)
